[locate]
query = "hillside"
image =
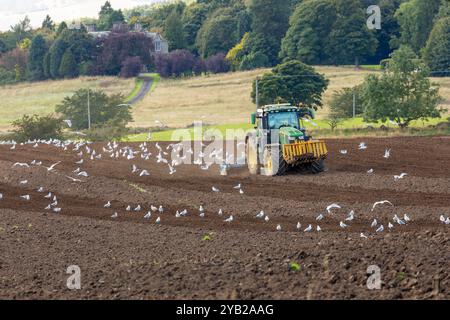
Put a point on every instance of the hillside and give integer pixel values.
(42, 97)
(214, 99)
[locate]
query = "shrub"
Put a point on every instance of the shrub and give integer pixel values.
(217, 64)
(254, 61)
(107, 132)
(131, 67)
(37, 127)
(177, 63)
(342, 102)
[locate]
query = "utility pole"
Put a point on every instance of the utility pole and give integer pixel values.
(89, 109)
(257, 94)
(354, 104)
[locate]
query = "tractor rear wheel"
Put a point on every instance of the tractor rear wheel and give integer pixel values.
(274, 163)
(251, 151)
(318, 166)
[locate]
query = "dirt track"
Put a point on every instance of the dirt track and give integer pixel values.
(131, 257)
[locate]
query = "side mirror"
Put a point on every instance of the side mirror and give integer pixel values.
(253, 118)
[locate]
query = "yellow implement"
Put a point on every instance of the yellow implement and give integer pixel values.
(304, 151)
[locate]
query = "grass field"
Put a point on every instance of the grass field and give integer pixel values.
(42, 97)
(214, 99)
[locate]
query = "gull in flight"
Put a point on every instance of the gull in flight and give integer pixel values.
(135, 169)
(83, 174)
(73, 179)
(406, 218)
(362, 235)
(23, 182)
(79, 162)
(309, 229)
(69, 123)
(26, 165)
(399, 177)
(26, 197)
(362, 146)
(214, 189)
(230, 219)
(381, 203)
(52, 166)
(344, 152)
(144, 173)
(387, 154)
(333, 206)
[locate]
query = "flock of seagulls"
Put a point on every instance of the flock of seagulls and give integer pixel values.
(85, 152)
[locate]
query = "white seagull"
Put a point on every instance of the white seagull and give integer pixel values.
(230, 219)
(333, 206)
(380, 203)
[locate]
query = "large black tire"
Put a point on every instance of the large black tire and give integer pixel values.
(251, 151)
(274, 163)
(318, 166)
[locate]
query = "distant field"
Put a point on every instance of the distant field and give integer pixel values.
(214, 99)
(42, 97)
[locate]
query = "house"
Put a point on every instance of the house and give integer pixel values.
(161, 44)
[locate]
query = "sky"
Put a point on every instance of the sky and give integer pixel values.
(11, 11)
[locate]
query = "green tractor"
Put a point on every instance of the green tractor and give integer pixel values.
(280, 143)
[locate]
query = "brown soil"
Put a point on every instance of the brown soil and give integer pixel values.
(131, 257)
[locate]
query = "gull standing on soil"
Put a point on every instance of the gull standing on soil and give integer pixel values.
(230, 219)
(390, 226)
(362, 235)
(144, 173)
(387, 154)
(260, 215)
(26, 197)
(380, 229)
(115, 215)
(108, 205)
(374, 223)
(83, 174)
(73, 179)
(398, 220)
(318, 228)
(299, 225)
(351, 216)
(138, 208)
(320, 217)
(238, 186)
(214, 189)
(220, 212)
(344, 152)
(266, 219)
(406, 218)
(158, 220)
(380, 203)
(308, 229)
(1, 196)
(279, 227)
(148, 215)
(343, 225)
(370, 171)
(161, 210)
